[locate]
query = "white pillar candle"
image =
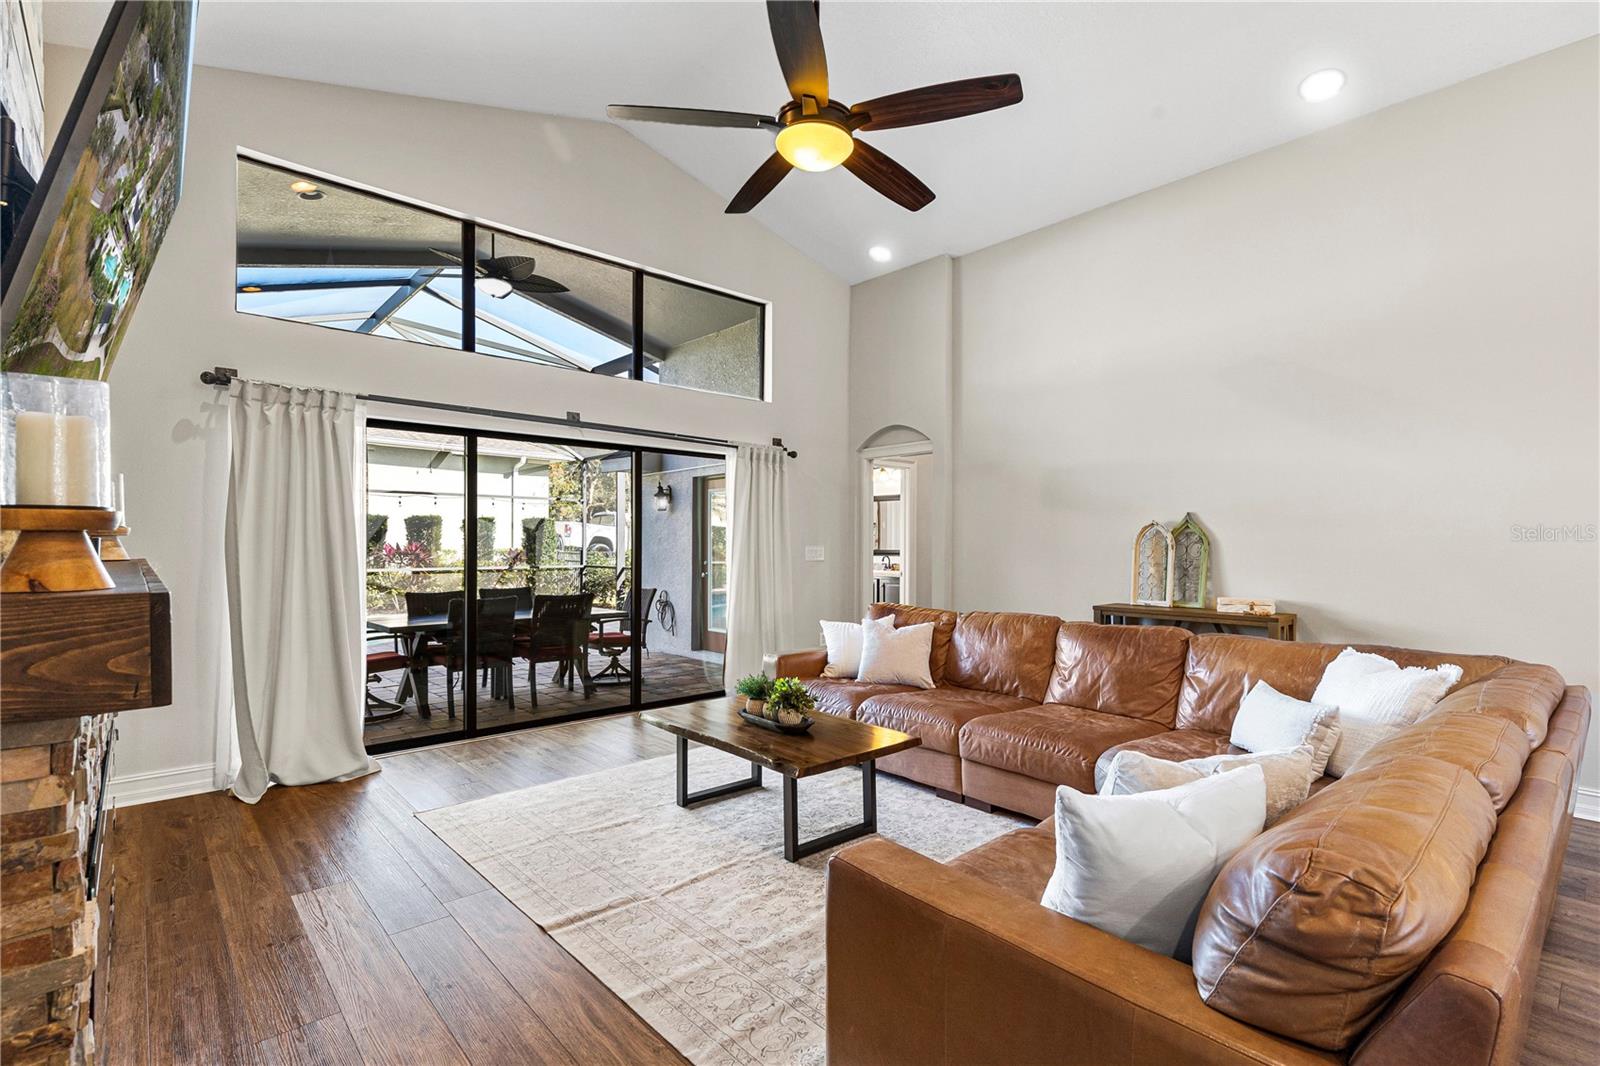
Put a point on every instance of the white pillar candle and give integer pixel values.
(58, 460)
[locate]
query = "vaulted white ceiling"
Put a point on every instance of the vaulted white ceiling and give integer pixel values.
(1119, 98)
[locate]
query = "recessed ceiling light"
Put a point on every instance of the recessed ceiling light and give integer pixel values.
(1323, 85)
(880, 254)
(303, 186)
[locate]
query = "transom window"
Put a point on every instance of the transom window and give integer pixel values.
(315, 251)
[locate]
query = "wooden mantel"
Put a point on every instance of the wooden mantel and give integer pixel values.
(69, 654)
(68, 662)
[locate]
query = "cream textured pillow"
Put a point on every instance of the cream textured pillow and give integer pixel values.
(843, 640)
(1270, 721)
(1288, 775)
(1377, 698)
(891, 656)
(1139, 867)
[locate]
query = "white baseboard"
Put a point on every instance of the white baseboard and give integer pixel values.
(130, 789)
(1588, 804)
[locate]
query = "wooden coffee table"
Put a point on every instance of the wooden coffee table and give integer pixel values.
(832, 744)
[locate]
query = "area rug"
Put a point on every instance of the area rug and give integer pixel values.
(693, 917)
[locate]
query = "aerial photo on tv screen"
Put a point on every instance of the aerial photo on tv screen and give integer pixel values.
(122, 193)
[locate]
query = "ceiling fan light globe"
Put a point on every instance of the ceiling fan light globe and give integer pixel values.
(815, 144)
(498, 288)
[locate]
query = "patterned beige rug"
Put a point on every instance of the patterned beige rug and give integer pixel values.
(692, 916)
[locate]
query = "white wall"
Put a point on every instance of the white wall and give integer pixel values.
(901, 345)
(585, 183)
(1360, 358)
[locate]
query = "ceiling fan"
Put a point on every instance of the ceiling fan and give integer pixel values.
(816, 132)
(501, 275)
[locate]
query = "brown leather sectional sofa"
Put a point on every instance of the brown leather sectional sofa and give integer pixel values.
(1395, 917)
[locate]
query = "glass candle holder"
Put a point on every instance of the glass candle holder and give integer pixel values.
(56, 443)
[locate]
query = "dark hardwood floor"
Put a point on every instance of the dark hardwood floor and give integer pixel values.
(326, 925)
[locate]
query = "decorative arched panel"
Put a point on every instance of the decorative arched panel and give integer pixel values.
(1191, 562)
(1152, 566)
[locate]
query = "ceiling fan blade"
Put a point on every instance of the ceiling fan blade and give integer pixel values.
(535, 283)
(763, 181)
(797, 35)
(477, 268)
(688, 116)
(888, 177)
(935, 103)
(512, 267)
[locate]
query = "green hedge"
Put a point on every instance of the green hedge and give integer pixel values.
(424, 529)
(377, 531)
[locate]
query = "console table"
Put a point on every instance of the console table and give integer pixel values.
(1278, 626)
(69, 661)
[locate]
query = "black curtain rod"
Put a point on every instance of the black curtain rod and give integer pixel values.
(223, 376)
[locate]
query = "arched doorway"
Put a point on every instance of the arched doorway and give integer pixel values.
(892, 565)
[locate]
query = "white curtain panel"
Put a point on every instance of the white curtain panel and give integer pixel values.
(295, 603)
(759, 593)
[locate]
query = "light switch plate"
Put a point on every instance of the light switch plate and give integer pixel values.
(814, 553)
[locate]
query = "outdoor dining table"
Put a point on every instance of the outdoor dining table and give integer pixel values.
(413, 631)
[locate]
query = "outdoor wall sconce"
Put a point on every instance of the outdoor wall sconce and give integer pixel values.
(663, 497)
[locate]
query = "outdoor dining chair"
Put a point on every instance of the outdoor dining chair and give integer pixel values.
(556, 635)
(616, 643)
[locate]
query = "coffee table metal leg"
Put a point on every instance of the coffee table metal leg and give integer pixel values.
(794, 849)
(685, 797)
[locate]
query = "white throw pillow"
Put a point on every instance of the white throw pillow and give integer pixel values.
(1139, 867)
(843, 640)
(1377, 698)
(1270, 721)
(891, 656)
(1288, 775)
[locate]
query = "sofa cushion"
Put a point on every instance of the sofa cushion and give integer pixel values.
(1134, 671)
(1053, 743)
(944, 625)
(1470, 1002)
(1222, 668)
(1175, 745)
(1012, 654)
(935, 715)
(1020, 862)
(842, 695)
(1287, 773)
(1524, 693)
(1315, 923)
(1376, 698)
(1491, 749)
(1139, 867)
(1270, 721)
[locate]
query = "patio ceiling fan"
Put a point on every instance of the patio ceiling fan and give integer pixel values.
(501, 275)
(816, 132)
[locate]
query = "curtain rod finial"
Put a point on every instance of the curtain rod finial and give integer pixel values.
(222, 375)
(777, 442)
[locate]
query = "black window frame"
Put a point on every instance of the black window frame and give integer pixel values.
(470, 226)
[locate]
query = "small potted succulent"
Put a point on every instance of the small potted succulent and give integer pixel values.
(751, 694)
(789, 702)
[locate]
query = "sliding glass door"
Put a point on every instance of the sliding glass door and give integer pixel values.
(683, 575)
(416, 559)
(598, 575)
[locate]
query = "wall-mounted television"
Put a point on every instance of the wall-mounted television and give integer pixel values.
(86, 242)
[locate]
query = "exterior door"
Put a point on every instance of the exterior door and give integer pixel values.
(711, 550)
